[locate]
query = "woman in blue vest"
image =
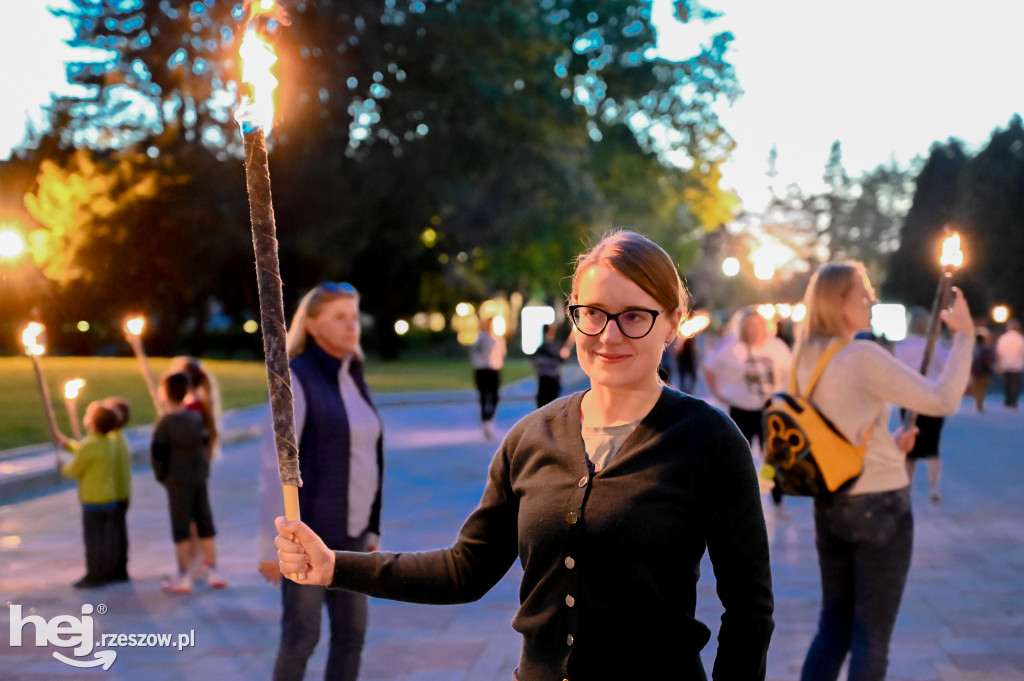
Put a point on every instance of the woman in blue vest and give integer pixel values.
(341, 461)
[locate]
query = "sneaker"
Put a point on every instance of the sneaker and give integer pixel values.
(935, 496)
(182, 584)
(212, 579)
(488, 428)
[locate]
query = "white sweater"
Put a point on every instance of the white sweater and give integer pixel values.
(862, 382)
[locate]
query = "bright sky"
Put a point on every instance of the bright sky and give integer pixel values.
(885, 77)
(33, 53)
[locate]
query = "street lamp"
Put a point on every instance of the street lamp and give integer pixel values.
(1000, 313)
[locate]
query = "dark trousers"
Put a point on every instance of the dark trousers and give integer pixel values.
(347, 614)
(1011, 384)
(749, 423)
(487, 383)
(548, 389)
(98, 536)
(119, 530)
(864, 548)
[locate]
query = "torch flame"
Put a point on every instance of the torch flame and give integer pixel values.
(72, 387)
(694, 325)
(952, 256)
(257, 57)
(30, 339)
(135, 325)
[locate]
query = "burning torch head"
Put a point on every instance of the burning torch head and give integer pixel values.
(952, 256)
(72, 388)
(33, 337)
(135, 325)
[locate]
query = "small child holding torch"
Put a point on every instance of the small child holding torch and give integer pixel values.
(93, 466)
(180, 456)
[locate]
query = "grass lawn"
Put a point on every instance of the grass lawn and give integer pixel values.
(22, 421)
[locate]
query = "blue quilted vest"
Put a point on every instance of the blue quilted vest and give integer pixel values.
(324, 446)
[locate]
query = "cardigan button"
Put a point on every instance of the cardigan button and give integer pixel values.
(570, 601)
(571, 517)
(570, 562)
(569, 639)
(583, 481)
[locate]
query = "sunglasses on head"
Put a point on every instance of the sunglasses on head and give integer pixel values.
(337, 287)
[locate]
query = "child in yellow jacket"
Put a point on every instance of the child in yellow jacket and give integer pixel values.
(93, 465)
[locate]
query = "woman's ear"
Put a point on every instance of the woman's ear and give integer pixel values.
(675, 317)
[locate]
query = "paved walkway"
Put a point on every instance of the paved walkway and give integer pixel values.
(962, 617)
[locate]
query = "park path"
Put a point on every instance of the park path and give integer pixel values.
(962, 617)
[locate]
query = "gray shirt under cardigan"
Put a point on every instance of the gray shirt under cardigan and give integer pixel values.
(610, 560)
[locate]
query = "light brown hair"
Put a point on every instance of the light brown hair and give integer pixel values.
(310, 306)
(825, 299)
(643, 262)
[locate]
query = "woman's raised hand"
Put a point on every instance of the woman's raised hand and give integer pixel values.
(958, 317)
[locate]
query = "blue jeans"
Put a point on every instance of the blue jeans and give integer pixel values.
(347, 613)
(864, 547)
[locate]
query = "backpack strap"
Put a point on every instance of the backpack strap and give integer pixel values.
(826, 356)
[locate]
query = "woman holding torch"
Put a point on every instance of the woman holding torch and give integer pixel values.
(608, 498)
(342, 466)
(865, 534)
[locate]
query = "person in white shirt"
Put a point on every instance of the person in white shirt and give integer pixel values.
(487, 356)
(1010, 361)
(743, 373)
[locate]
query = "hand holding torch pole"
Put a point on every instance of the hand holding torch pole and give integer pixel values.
(952, 258)
(133, 329)
(252, 116)
(32, 338)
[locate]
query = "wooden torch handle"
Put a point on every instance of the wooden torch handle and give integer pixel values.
(291, 512)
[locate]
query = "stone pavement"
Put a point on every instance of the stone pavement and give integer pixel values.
(962, 618)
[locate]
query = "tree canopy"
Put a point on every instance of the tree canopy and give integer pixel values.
(980, 196)
(425, 150)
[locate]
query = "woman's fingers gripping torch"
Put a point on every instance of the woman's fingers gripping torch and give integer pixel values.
(302, 555)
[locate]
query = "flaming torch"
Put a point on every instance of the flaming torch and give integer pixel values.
(253, 116)
(71, 389)
(32, 338)
(133, 328)
(693, 325)
(951, 259)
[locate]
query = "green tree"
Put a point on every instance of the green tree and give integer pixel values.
(991, 212)
(913, 268)
(120, 232)
(512, 129)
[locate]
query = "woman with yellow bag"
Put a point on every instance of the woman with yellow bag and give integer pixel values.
(865, 534)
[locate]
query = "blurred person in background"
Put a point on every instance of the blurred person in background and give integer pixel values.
(340, 437)
(865, 533)
(487, 357)
(910, 351)
(1010, 361)
(983, 367)
(744, 373)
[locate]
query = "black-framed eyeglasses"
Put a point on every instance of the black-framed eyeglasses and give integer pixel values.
(341, 288)
(634, 323)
